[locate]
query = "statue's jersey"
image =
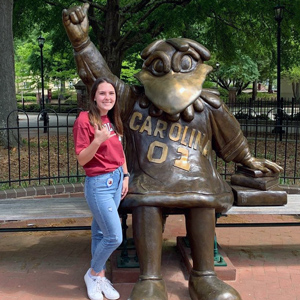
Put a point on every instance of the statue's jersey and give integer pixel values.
(171, 162)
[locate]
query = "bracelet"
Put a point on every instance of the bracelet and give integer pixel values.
(126, 175)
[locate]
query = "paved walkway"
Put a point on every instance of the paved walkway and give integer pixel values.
(51, 265)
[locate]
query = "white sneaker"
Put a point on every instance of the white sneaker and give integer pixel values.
(93, 287)
(108, 290)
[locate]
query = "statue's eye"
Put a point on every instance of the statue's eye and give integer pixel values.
(158, 67)
(184, 62)
(187, 63)
(158, 63)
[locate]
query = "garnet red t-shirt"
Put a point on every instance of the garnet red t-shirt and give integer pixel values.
(110, 154)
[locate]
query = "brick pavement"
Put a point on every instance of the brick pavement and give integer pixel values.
(51, 265)
(267, 259)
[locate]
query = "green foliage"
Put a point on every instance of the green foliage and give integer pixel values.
(242, 69)
(240, 34)
(35, 107)
(30, 107)
(223, 94)
(293, 74)
(56, 65)
(239, 73)
(129, 69)
(26, 98)
(209, 85)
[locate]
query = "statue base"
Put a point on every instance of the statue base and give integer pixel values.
(227, 273)
(124, 274)
(131, 274)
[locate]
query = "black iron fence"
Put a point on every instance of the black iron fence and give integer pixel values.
(263, 108)
(44, 152)
(272, 133)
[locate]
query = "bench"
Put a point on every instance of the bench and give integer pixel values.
(35, 209)
(291, 208)
(25, 209)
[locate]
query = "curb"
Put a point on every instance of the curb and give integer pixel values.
(66, 190)
(77, 190)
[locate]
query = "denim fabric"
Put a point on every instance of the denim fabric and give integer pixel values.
(103, 195)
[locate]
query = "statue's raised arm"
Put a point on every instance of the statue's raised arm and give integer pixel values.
(90, 63)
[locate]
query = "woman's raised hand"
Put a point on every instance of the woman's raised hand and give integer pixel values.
(101, 134)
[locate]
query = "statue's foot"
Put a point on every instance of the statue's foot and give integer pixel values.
(149, 289)
(207, 286)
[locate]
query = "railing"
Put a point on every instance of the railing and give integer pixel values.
(45, 158)
(272, 133)
(260, 107)
(40, 158)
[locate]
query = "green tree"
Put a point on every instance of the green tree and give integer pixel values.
(58, 66)
(250, 26)
(122, 28)
(25, 67)
(238, 74)
(117, 26)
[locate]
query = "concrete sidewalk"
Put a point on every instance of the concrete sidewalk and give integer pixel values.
(51, 265)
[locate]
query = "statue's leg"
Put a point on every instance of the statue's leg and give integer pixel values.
(147, 232)
(203, 282)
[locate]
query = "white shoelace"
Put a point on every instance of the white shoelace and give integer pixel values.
(98, 284)
(107, 283)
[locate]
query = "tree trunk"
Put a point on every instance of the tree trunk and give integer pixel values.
(296, 90)
(8, 103)
(270, 90)
(62, 86)
(112, 47)
(254, 91)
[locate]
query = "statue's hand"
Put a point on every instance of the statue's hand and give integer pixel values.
(76, 23)
(262, 164)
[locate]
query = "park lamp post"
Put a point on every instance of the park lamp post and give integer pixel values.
(44, 116)
(278, 17)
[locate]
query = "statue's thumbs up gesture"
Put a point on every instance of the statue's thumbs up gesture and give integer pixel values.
(76, 23)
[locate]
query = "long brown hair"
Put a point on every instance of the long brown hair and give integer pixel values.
(113, 114)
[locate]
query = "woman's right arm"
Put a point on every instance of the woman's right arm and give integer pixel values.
(85, 155)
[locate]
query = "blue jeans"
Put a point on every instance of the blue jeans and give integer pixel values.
(103, 195)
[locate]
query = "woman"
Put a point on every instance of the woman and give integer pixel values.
(99, 150)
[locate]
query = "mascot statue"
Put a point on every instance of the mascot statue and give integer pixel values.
(172, 126)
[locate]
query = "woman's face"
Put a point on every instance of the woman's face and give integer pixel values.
(105, 97)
